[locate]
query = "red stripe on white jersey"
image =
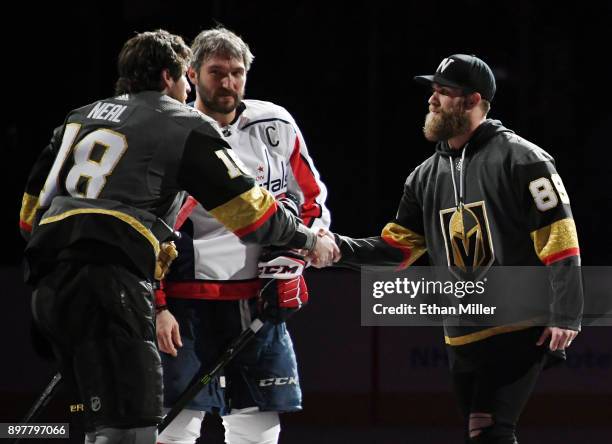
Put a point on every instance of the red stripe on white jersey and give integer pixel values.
(184, 212)
(221, 291)
(307, 182)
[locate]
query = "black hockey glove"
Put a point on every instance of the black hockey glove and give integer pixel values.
(284, 289)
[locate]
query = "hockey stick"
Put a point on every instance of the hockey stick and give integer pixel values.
(43, 399)
(229, 354)
(41, 402)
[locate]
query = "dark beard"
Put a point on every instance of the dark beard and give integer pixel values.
(212, 103)
(446, 124)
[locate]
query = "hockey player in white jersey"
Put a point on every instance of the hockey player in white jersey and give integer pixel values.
(210, 294)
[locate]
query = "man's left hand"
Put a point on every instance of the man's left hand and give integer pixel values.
(560, 338)
(168, 333)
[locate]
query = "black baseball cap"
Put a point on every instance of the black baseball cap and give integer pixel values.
(467, 72)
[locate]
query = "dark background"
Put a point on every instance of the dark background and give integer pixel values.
(344, 70)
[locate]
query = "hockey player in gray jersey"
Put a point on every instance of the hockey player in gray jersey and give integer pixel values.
(91, 210)
(210, 293)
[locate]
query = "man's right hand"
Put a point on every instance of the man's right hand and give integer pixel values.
(168, 333)
(325, 252)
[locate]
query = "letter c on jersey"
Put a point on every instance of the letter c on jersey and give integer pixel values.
(274, 142)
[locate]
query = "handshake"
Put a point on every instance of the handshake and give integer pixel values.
(325, 251)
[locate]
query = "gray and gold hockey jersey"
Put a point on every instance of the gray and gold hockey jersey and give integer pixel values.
(498, 201)
(118, 165)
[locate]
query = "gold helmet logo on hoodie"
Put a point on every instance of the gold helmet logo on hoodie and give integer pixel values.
(467, 237)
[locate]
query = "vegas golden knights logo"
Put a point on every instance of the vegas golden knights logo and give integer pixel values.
(467, 238)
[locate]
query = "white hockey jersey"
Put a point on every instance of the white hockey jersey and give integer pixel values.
(270, 147)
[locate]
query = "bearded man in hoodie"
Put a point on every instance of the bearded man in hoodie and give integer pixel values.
(486, 197)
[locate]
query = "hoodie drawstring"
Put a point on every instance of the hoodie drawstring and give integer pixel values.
(459, 199)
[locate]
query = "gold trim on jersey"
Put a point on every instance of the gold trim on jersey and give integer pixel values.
(244, 209)
(487, 333)
(410, 242)
(29, 205)
(555, 238)
(133, 222)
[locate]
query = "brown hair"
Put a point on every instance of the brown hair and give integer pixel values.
(219, 41)
(143, 58)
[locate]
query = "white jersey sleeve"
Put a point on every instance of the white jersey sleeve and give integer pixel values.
(305, 182)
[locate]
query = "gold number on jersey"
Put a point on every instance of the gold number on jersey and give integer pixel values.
(95, 158)
(543, 192)
(231, 164)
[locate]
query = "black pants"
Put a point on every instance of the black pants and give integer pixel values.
(100, 320)
(500, 383)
